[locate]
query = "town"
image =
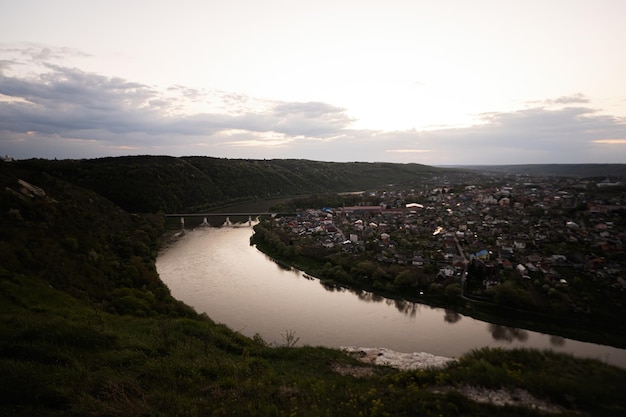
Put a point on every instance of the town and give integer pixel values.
(549, 245)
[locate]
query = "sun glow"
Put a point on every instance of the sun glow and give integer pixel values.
(611, 141)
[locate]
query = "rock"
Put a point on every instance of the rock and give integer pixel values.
(398, 360)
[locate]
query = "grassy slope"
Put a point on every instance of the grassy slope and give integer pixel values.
(62, 357)
(71, 262)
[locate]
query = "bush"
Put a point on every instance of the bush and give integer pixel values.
(453, 291)
(507, 294)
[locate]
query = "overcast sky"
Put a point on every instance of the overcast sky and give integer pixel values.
(436, 82)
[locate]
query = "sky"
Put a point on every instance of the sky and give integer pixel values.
(438, 82)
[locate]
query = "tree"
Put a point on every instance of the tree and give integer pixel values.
(507, 294)
(406, 279)
(453, 291)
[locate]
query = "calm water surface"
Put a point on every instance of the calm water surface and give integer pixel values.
(216, 271)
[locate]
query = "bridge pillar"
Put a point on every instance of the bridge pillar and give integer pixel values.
(182, 223)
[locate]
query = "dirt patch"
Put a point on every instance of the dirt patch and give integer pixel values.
(501, 397)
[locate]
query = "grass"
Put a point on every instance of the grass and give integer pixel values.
(60, 356)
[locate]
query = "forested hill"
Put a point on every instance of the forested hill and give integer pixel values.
(78, 242)
(153, 183)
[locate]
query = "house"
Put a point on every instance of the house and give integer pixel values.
(446, 272)
(418, 260)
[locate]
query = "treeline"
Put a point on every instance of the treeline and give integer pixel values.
(161, 183)
(320, 200)
(361, 271)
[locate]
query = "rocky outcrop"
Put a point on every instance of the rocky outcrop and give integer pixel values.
(398, 360)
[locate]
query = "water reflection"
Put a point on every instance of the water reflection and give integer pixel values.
(451, 316)
(331, 286)
(205, 269)
(507, 334)
(368, 296)
(406, 307)
(557, 340)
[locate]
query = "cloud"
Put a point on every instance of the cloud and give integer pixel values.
(573, 99)
(309, 119)
(407, 150)
(68, 102)
(560, 102)
(535, 135)
(24, 58)
(65, 112)
(65, 101)
(27, 52)
(6, 64)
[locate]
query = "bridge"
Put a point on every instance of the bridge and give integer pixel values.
(226, 215)
(213, 214)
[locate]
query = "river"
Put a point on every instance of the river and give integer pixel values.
(218, 272)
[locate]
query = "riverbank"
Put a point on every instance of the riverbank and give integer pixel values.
(495, 381)
(219, 273)
(576, 328)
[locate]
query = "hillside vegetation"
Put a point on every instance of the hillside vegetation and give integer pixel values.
(87, 328)
(153, 183)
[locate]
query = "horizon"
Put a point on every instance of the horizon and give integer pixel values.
(11, 158)
(445, 84)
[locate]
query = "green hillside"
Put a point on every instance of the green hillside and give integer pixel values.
(87, 328)
(153, 183)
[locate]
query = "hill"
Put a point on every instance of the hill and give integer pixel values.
(87, 328)
(153, 183)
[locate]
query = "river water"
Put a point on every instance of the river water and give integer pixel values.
(218, 272)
